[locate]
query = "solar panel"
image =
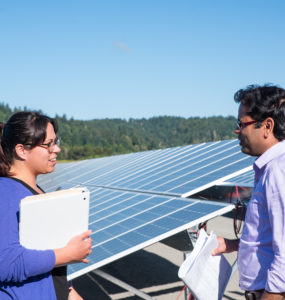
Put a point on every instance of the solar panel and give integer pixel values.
(124, 222)
(180, 171)
(138, 199)
(246, 179)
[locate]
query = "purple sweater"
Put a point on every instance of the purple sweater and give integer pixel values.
(24, 273)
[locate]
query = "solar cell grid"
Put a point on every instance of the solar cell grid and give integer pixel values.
(105, 169)
(158, 171)
(149, 165)
(90, 168)
(245, 179)
(188, 160)
(177, 183)
(134, 167)
(120, 232)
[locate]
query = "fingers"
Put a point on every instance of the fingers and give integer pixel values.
(221, 246)
(88, 251)
(88, 240)
(79, 247)
(226, 246)
(85, 235)
(215, 252)
(85, 260)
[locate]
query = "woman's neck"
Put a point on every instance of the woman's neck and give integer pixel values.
(27, 177)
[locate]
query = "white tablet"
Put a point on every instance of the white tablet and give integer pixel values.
(49, 221)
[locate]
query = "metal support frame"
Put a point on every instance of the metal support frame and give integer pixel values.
(193, 236)
(122, 284)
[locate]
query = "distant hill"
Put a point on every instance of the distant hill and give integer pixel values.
(95, 138)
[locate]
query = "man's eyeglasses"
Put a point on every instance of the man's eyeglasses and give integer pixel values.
(241, 125)
(50, 146)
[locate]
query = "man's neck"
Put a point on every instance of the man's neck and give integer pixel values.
(268, 145)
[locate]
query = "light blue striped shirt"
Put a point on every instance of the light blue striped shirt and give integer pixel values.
(261, 255)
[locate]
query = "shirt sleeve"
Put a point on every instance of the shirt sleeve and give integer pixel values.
(275, 195)
(18, 263)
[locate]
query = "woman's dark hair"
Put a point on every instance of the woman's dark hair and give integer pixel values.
(264, 102)
(27, 128)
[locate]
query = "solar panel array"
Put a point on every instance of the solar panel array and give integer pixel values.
(138, 199)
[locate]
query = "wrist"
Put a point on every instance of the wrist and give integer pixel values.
(62, 256)
(232, 245)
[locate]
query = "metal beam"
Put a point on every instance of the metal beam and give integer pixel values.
(122, 284)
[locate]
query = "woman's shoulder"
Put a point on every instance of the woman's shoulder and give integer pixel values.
(6, 182)
(9, 186)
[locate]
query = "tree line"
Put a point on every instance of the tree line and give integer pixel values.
(103, 137)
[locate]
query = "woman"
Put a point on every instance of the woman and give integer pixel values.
(29, 147)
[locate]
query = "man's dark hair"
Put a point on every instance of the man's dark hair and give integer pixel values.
(267, 101)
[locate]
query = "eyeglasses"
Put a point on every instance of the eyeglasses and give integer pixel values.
(241, 125)
(50, 146)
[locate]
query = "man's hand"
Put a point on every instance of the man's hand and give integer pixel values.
(225, 246)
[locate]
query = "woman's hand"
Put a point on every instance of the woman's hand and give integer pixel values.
(73, 295)
(76, 250)
(79, 247)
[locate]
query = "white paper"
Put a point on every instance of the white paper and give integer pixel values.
(205, 275)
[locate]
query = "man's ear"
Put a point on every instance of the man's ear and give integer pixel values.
(21, 152)
(269, 126)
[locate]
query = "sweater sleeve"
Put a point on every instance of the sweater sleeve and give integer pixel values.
(16, 262)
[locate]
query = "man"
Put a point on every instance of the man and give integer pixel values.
(261, 248)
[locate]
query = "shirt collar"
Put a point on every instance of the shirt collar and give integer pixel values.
(270, 154)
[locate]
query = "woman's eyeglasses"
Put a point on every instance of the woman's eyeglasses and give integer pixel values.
(50, 146)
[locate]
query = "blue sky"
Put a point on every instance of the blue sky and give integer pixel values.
(138, 58)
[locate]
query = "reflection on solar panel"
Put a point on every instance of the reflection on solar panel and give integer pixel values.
(135, 197)
(246, 179)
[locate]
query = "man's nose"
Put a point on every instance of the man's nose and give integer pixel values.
(237, 131)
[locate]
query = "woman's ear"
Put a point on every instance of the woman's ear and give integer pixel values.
(20, 151)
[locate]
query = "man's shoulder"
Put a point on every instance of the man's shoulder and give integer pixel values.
(275, 168)
(275, 155)
(279, 160)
